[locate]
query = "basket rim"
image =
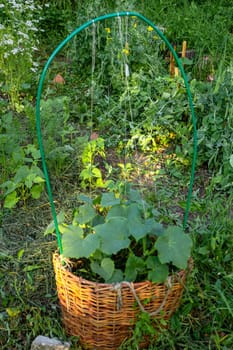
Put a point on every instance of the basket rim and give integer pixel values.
(178, 276)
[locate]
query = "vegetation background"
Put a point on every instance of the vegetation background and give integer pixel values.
(87, 96)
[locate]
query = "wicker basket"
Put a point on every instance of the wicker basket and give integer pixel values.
(102, 315)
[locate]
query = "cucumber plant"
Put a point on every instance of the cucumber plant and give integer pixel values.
(117, 237)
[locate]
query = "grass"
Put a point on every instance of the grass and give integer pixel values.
(29, 305)
(28, 299)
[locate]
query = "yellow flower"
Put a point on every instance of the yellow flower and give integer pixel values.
(150, 29)
(172, 135)
(135, 25)
(125, 51)
(108, 30)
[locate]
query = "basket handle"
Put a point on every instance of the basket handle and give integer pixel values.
(38, 98)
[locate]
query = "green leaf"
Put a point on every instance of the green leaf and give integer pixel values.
(29, 268)
(84, 198)
(231, 160)
(116, 277)
(85, 214)
(74, 246)
(21, 174)
(36, 170)
(99, 182)
(64, 229)
(51, 227)
(113, 235)
(108, 267)
(29, 180)
(10, 186)
(38, 179)
(135, 224)
(117, 211)
(158, 272)
(98, 220)
(174, 246)
(86, 174)
(134, 265)
(154, 227)
(90, 244)
(134, 195)
(109, 199)
(11, 200)
(34, 152)
(20, 254)
(13, 311)
(96, 172)
(105, 269)
(36, 191)
(96, 268)
(138, 227)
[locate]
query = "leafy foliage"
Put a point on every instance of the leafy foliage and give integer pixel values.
(214, 107)
(27, 182)
(174, 246)
(91, 175)
(18, 43)
(129, 243)
(158, 120)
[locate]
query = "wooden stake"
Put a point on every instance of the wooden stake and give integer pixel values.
(172, 64)
(184, 46)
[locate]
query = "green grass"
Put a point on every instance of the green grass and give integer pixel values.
(29, 305)
(28, 299)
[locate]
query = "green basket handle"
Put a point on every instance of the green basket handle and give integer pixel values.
(38, 98)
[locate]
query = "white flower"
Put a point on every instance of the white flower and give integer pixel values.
(8, 42)
(1, 6)
(17, 6)
(29, 23)
(2, 26)
(24, 35)
(34, 70)
(32, 7)
(31, 26)
(6, 54)
(15, 50)
(29, 2)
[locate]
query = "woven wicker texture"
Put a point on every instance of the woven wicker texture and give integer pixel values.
(102, 315)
